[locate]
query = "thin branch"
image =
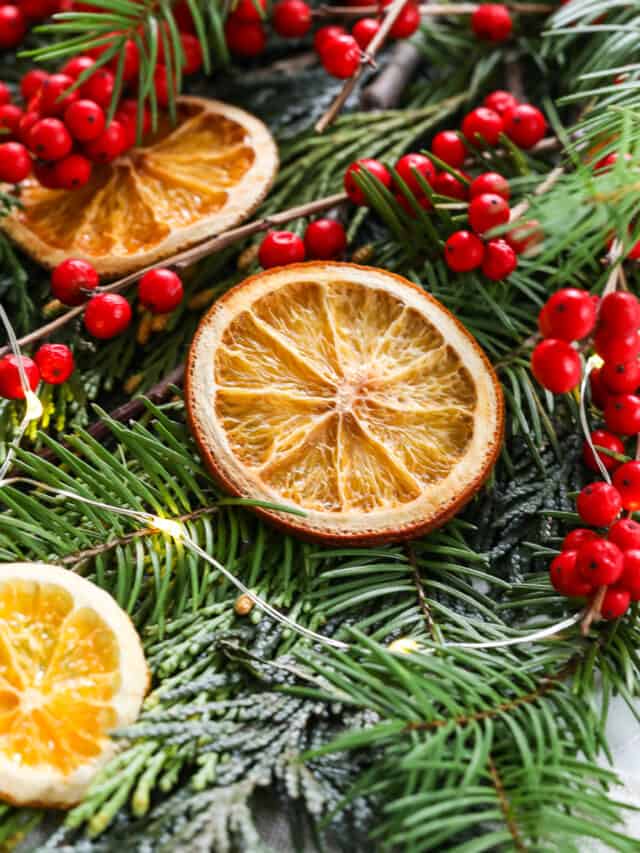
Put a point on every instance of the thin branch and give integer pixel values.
(376, 43)
(87, 553)
(505, 806)
(190, 256)
(546, 685)
(430, 10)
(594, 611)
(422, 598)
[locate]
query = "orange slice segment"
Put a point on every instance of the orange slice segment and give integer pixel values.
(346, 393)
(71, 669)
(186, 184)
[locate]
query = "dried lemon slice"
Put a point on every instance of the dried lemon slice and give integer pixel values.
(347, 393)
(71, 669)
(187, 183)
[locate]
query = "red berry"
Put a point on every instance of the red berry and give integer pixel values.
(544, 324)
(37, 10)
(10, 116)
(279, 248)
(341, 56)
(54, 97)
(630, 579)
(85, 120)
(184, 18)
(107, 315)
(291, 18)
(445, 184)
(617, 347)
(492, 22)
(325, 239)
(626, 479)
(619, 313)
(49, 139)
(601, 438)
(45, 174)
(15, 162)
(131, 65)
(622, 414)
(575, 538)
(76, 66)
(565, 577)
(73, 172)
(407, 166)
(5, 92)
(599, 393)
(500, 101)
(524, 237)
(364, 30)
(245, 39)
(463, 251)
(605, 164)
(10, 380)
(160, 291)
(570, 314)
(192, 53)
(488, 211)
(32, 82)
(408, 206)
(600, 562)
(499, 260)
(55, 362)
(71, 278)
(615, 603)
(163, 85)
(525, 125)
(110, 144)
(482, 125)
(127, 115)
(407, 21)
(448, 146)
(490, 182)
(622, 378)
(99, 87)
(247, 10)
(325, 35)
(374, 167)
(625, 533)
(13, 26)
(599, 504)
(556, 365)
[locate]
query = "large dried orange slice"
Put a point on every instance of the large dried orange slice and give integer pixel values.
(187, 183)
(348, 394)
(71, 669)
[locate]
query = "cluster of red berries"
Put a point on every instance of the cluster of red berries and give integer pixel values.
(417, 180)
(17, 17)
(52, 363)
(588, 561)
(108, 314)
(62, 132)
(324, 240)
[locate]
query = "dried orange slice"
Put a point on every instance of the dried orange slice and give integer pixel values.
(187, 183)
(348, 394)
(71, 669)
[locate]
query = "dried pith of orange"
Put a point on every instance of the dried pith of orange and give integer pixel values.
(186, 183)
(345, 393)
(71, 670)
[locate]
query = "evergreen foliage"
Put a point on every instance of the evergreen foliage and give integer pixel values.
(444, 748)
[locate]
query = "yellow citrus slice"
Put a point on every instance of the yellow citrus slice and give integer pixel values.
(187, 183)
(71, 670)
(346, 393)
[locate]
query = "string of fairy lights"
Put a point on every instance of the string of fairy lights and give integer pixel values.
(178, 531)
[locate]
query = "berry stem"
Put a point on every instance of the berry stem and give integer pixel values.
(190, 256)
(376, 43)
(593, 612)
(431, 10)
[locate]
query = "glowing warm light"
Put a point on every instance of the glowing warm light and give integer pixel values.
(168, 526)
(404, 645)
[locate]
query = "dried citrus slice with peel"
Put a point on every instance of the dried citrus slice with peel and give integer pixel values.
(71, 670)
(346, 393)
(187, 183)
